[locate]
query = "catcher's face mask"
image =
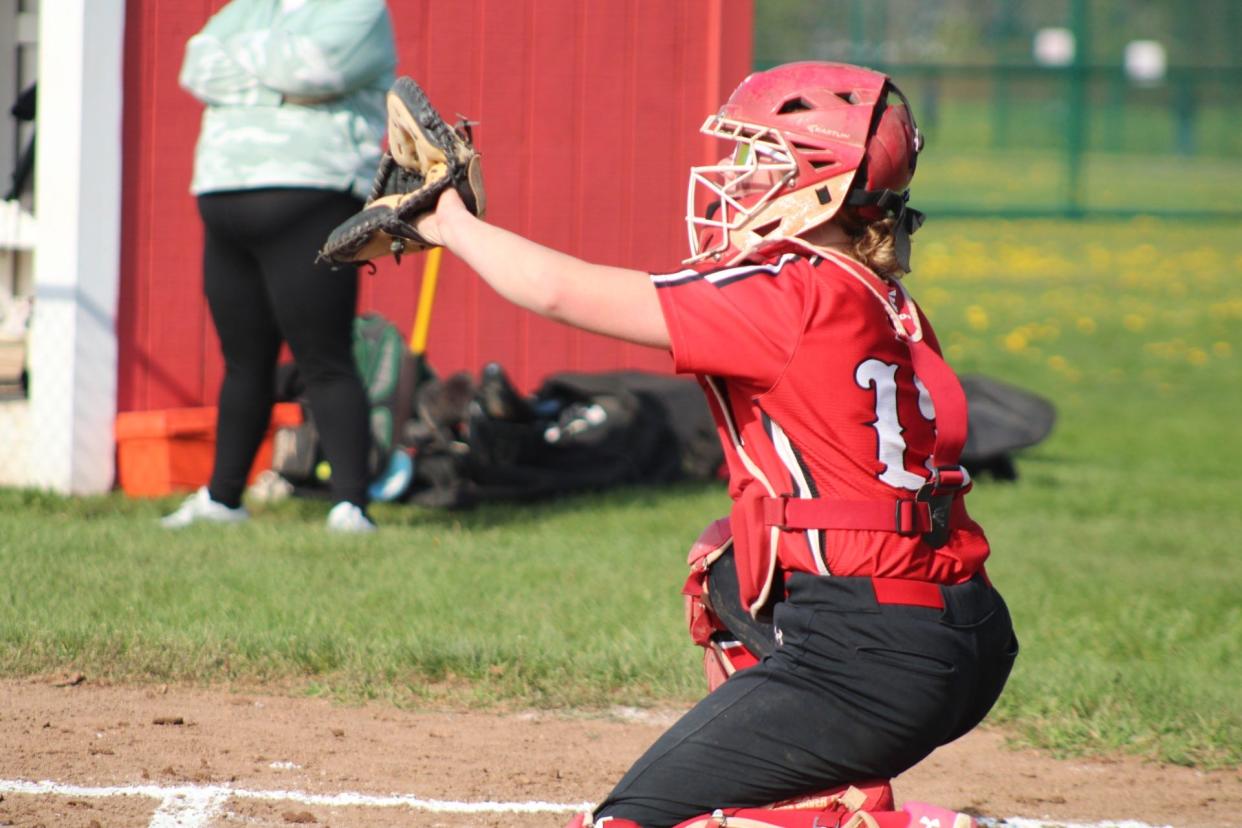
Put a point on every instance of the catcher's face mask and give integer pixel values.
(807, 139)
(739, 187)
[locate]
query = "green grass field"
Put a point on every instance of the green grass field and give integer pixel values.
(1115, 548)
(980, 158)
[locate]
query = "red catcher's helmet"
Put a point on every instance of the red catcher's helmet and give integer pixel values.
(809, 138)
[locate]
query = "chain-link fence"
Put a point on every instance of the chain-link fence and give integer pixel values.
(17, 43)
(1066, 107)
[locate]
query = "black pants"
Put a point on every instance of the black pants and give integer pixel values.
(854, 691)
(264, 287)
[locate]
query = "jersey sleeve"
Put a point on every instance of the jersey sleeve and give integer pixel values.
(743, 321)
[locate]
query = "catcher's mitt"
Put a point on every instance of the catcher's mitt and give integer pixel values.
(425, 155)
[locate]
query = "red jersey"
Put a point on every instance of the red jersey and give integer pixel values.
(814, 396)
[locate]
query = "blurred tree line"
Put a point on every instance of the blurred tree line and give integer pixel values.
(892, 32)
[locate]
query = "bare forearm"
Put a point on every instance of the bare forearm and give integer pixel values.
(607, 300)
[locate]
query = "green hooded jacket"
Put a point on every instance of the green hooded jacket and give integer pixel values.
(294, 93)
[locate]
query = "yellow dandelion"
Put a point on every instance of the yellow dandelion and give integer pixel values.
(1057, 362)
(1134, 322)
(977, 318)
(1197, 356)
(1015, 341)
(955, 351)
(1086, 324)
(1222, 348)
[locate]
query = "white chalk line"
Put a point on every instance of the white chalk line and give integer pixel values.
(193, 806)
(191, 810)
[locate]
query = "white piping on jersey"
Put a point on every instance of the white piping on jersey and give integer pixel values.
(725, 275)
(785, 451)
(734, 435)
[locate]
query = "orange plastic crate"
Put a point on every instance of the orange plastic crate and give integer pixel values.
(171, 450)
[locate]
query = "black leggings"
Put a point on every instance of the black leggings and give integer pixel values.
(854, 691)
(264, 287)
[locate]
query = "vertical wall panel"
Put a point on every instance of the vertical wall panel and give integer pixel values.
(169, 356)
(506, 115)
(554, 181)
(588, 116)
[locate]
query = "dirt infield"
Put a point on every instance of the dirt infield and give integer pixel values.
(124, 756)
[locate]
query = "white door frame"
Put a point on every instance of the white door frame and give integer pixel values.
(70, 445)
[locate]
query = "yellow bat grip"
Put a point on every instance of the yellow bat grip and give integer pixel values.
(426, 295)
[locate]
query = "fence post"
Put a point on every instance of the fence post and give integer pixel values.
(1184, 113)
(858, 31)
(929, 112)
(1076, 126)
(1000, 76)
(1115, 113)
(1000, 107)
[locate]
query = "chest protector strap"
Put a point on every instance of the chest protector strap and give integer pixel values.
(930, 511)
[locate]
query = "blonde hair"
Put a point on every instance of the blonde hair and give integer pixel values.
(873, 244)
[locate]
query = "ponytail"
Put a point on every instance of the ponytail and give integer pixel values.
(874, 244)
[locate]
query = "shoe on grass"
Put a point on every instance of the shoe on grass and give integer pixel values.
(347, 517)
(199, 507)
(269, 487)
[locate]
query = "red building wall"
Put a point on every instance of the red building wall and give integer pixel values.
(588, 116)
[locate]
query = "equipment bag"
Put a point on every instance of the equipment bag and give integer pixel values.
(379, 349)
(382, 358)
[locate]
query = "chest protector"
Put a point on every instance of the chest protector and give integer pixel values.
(761, 513)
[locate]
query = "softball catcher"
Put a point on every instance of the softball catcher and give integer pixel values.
(848, 625)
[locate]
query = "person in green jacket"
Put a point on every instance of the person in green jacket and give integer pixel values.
(294, 93)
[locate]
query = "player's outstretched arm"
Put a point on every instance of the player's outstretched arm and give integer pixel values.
(613, 301)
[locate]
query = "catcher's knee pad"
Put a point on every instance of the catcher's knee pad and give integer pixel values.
(921, 814)
(869, 795)
(723, 651)
(584, 820)
(835, 806)
(865, 805)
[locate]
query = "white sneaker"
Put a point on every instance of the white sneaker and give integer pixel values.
(269, 487)
(200, 507)
(346, 517)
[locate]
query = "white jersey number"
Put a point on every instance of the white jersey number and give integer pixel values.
(882, 376)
